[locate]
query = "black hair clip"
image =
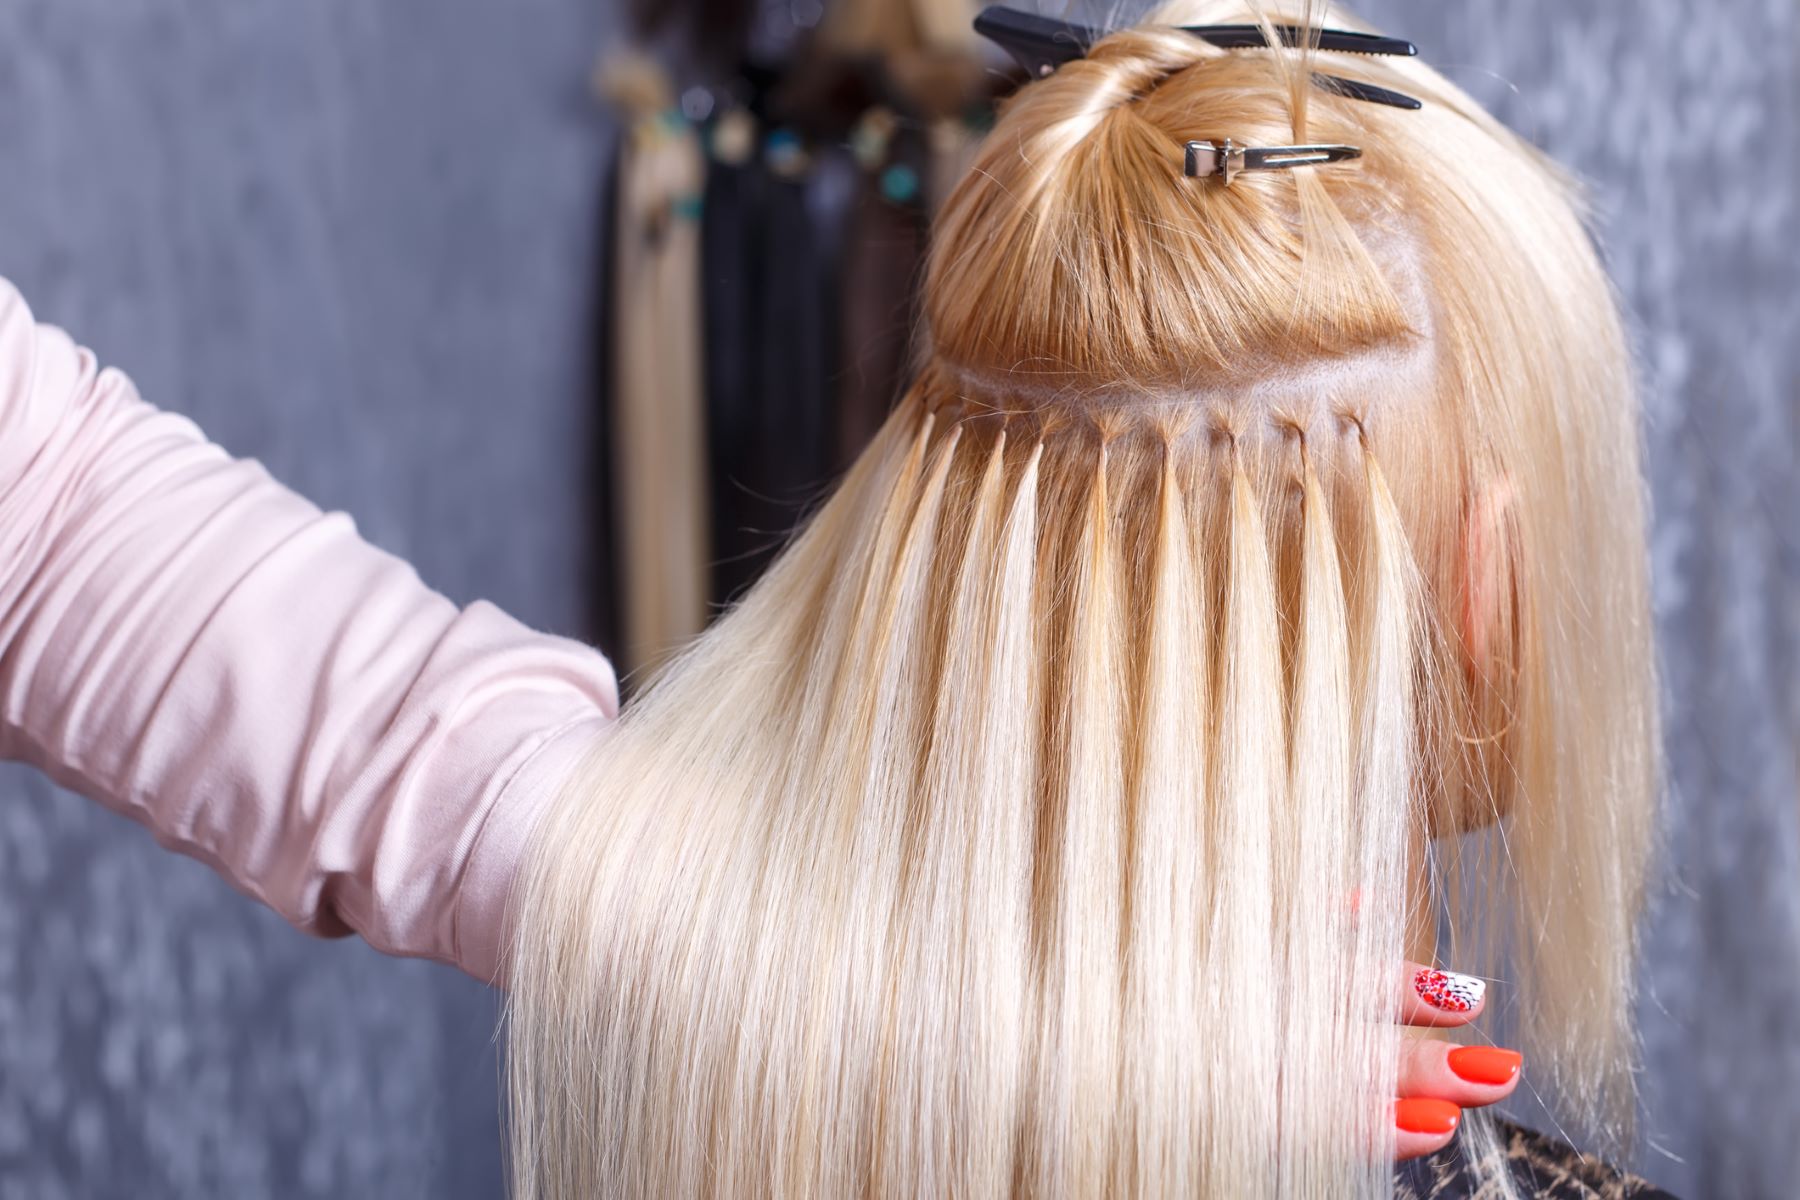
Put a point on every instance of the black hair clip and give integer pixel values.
(1338, 41)
(1042, 44)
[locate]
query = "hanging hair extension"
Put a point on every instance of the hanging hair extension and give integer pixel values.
(1054, 817)
(658, 461)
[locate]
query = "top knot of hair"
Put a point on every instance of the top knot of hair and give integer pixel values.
(1114, 268)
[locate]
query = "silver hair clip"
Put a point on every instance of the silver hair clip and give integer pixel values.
(1225, 158)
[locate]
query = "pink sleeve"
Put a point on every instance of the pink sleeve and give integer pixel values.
(193, 645)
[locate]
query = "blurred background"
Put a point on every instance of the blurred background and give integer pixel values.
(376, 244)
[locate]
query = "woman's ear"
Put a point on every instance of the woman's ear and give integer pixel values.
(1485, 572)
(1487, 632)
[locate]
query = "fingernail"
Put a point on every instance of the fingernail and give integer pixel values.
(1425, 1115)
(1449, 991)
(1485, 1064)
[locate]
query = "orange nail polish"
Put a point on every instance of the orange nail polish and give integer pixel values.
(1424, 1115)
(1485, 1064)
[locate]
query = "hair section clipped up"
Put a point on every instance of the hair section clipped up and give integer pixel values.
(1049, 821)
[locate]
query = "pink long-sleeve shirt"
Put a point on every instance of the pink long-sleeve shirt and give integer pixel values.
(192, 644)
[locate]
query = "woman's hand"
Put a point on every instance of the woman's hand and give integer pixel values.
(1439, 1079)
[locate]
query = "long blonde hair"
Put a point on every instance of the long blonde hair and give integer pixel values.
(1042, 824)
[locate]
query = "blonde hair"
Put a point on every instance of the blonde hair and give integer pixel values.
(1042, 824)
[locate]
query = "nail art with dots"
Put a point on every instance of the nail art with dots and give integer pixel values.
(1448, 991)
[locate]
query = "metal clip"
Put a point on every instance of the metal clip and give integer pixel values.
(1226, 158)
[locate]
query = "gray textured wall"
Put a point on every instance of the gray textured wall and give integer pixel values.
(354, 238)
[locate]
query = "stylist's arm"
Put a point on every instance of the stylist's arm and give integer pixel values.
(193, 645)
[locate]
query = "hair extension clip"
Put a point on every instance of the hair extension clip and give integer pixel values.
(1226, 158)
(1042, 44)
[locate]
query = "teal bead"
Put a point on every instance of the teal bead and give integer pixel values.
(900, 184)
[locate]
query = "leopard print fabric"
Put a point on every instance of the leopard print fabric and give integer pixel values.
(1541, 1167)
